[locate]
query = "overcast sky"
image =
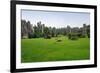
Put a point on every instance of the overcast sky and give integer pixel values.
(56, 19)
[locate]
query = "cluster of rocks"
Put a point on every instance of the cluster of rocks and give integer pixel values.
(40, 30)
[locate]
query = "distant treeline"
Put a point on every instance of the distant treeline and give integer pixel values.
(40, 30)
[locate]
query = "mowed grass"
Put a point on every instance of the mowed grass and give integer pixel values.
(42, 50)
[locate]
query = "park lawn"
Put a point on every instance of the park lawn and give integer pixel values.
(42, 50)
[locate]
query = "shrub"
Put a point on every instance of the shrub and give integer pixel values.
(83, 36)
(69, 36)
(35, 36)
(80, 35)
(59, 40)
(47, 36)
(73, 36)
(88, 35)
(30, 35)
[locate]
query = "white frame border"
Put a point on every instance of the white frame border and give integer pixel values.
(20, 65)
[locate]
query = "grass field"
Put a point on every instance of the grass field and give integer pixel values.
(40, 49)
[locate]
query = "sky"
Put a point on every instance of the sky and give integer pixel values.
(56, 19)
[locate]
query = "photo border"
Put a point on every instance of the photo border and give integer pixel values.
(13, 35)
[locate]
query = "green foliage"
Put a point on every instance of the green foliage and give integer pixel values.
(81, 36)
(47, 37)
(30, 35)
(73, 36)
(88, 35)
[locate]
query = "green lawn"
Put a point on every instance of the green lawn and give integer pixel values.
(40, 49)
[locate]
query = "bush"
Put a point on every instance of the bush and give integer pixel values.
(73, 36)
(80, 35)
(69, 36)
(88, 35)
(35, 36)
(83, 36)
(30, 35)
(59, 40)
(47, 36)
